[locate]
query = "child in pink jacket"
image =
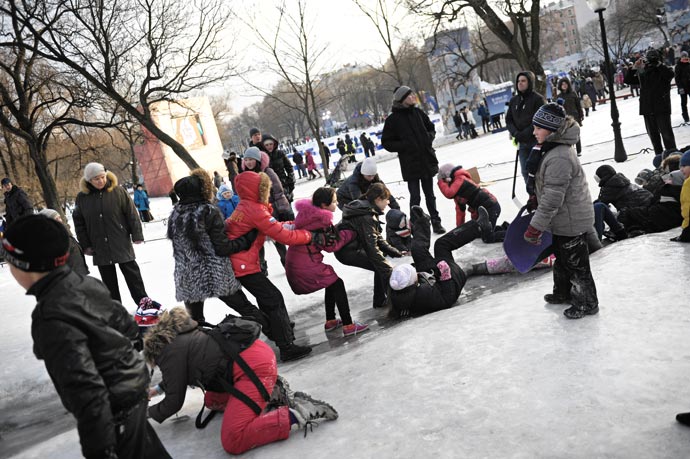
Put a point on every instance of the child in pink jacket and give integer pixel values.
(306, 272)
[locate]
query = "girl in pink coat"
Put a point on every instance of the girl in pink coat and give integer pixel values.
(306, 272)
(311, 165)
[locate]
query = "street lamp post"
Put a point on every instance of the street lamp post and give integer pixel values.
(599, 6)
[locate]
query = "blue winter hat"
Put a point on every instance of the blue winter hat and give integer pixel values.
(685, 159)
(223, 188)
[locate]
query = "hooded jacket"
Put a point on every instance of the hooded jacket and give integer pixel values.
(521, 110)
(277, 199)
(465, 193)
(304, 267)
(254, 211)
(363, 217)
(409, 132)
(141, 199)
(682, 75)
(571, 103)
(226, 206)
(17, 204)
(399, 237)
(356, 185)
(565, 205)
(185, 356)
(107, 221)
(85, 339)
(618, 190)
(281, 165)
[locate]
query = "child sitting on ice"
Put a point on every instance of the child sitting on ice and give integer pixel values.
(685, 199)
(304, 267)
(456, 183)
(227, 200)
(398, 232)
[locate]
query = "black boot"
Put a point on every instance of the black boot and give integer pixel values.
(438, 228)
(683, 418)
(484, 224)
(553, 298)
(417, 213)
(421, 230)
(577, 313)
(293, 352)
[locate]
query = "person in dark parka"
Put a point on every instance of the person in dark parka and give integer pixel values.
(280, 164)
(682, 74)
(409, 132)
(106, 223)
(521, 109)
(359, 182)
(17, 203)
(572, 105)
(85, 339)
(655, 100)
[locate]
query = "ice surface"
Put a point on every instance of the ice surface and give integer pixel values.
(500, 375)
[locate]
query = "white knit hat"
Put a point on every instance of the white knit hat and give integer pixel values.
(50, 213)
(403, 276)
(445, 170)
(93, 169)
(368, 166)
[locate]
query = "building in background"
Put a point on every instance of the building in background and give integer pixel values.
(191, 123)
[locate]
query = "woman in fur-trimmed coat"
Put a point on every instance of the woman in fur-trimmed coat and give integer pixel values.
(201, 251)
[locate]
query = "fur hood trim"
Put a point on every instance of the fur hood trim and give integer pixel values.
(207, 187)
(671, 163)
(310, 217)
(170, 324)
(253, 187)
(86, 188)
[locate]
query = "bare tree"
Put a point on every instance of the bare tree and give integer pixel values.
(136, 52)
(296, 60)
(515, 23)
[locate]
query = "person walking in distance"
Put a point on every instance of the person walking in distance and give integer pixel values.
(409, 132)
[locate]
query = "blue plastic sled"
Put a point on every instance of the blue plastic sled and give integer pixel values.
(521, 253)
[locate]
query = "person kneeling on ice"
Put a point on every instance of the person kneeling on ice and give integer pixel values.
(239, 377)
(564, 207)
(86, 340)
(433, 283)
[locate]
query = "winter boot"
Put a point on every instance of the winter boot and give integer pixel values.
(308, 410)
(438, 228)
(620, 234)
(331, 325)
(683, 418)
(484, 224)
(577, 313)
(417, 213)
(421, 232)
(354, 328)
(293, 352)
(553, 298)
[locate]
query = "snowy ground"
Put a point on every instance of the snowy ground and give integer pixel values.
(500, 375)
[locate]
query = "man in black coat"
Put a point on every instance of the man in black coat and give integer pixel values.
(682, 72)
(86, 341)
(521, 110)
(280, 164)
(409, 132)
(17, 202)
(655, 100)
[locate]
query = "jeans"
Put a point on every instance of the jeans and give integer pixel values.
(428, 188)
(523, 153)
(603, 213)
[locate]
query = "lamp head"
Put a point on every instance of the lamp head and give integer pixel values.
(598, 5)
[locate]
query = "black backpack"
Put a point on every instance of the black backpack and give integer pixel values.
(233, 335)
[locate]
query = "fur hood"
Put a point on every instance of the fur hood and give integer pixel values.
(560, 83)
(86, 188)
(207, 187)
(170, 324)
(310, 217)
(671, 163)
(254, 187)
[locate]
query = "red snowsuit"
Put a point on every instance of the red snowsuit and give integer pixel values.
(465, 193)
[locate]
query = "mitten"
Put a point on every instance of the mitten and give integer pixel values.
(533, 235)
(532, 203)
(444, 269)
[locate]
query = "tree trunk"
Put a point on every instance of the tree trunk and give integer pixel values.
(161, 135)
(50, 195)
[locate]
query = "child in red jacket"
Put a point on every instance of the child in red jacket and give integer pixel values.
(306, 272)
(456, 183)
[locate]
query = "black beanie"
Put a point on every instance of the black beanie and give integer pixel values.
(604, 173)
(189, 189)
(253, 131)
(36, 243)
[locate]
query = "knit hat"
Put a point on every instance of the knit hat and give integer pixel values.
(36, 243)
(223, 188)
(147, 313)
(643, 177)
(685, 159)
(50, 213)
(400, 93)
(403, 276)
(445, 170)
(604, 173)
(253, 131)
(93, 169)
(189, 187)
(253, 153)
(5, 181)
(683, 54)
(550, 117)
(368, 166)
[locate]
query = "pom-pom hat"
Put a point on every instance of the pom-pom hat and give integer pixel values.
(550, 117)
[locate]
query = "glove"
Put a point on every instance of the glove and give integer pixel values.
(532, 203)
(533, 235)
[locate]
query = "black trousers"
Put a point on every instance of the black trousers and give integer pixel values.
(416, 198)
(136, 438)
(572, 276)
(240, 303)
(132, 275)
(359, 260)
(272, 304)
(336, 295)
(659, 128)
(684, 106)
(496, 235)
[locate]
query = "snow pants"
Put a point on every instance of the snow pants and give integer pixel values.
(272, 304)
(572, 276)
(243, 429)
